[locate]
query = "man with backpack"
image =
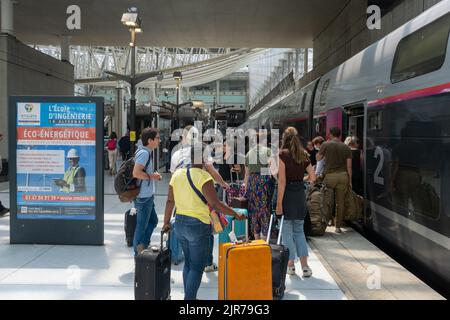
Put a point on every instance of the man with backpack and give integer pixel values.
(147, 219)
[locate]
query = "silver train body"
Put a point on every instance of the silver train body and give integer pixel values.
(395, 97)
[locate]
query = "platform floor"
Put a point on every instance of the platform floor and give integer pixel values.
(339, 264)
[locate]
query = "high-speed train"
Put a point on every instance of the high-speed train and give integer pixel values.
(395, 97)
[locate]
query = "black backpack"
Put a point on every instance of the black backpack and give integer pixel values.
(128, 187)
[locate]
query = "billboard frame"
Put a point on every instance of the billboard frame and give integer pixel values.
(47, 230)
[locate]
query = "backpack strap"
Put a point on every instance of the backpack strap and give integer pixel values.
(200, 195)
(148, 161)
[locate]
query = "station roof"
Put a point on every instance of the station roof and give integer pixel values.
(180, 23)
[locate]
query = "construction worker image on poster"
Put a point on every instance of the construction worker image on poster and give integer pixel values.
(56, 160)
(74, 177)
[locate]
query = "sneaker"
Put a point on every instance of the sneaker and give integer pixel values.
(211, 268)
(4, 211)
(307, 272)
(291, 270)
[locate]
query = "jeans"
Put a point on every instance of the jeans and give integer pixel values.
(194, 237)
(146, 221)
(294, 238)
(112, 157)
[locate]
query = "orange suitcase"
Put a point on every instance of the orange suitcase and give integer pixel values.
(245, 271)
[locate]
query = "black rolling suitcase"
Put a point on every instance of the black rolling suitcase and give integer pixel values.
(152, 273)
(130, 227)
(280, 258)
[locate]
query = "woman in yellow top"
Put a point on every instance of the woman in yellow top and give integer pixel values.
(193, 222)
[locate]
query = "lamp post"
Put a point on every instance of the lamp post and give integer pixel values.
(175, 107)
(178, 76)
(132, 21)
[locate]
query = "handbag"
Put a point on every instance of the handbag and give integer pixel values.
(218, 220)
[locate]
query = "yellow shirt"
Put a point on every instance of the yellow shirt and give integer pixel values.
(187, 202)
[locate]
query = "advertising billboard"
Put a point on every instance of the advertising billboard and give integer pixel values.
(56, 169)
(55, 172)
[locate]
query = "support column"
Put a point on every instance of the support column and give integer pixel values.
(7, 17)
(296, 64)
(65, 48)
(306, 56)
(218, 92)
(118, 116)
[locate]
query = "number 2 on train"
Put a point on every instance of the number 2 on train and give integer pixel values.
(376, 177)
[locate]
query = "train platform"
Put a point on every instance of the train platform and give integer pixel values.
(339, 264)
(364, 272)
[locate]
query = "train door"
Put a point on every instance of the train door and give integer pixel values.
(320, 127)
(354, 124)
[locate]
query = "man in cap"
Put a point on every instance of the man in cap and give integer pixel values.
(74, 177)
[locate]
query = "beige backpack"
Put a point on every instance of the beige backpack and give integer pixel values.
(319, 201)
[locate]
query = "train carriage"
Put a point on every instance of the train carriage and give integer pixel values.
(395, 97)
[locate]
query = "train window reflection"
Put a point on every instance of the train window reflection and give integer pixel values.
(416, 176)
(374, 121)
(323, 94)
(421, 52)
(304, 101)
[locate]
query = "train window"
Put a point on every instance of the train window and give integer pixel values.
(417, 180)
(421, 52)
(374, 121)
(323, 94)
(304, 101)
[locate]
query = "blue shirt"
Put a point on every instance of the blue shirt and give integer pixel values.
(147, 189)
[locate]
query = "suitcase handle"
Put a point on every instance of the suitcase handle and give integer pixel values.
(269, 232)
(162, 241)
(231, 176)
(246, 228)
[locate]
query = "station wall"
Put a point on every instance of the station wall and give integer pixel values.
(25, 71)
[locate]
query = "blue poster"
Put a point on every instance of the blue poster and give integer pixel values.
(56, 160)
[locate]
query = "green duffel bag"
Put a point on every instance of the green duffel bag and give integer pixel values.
(319, 201)
(354, 205)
